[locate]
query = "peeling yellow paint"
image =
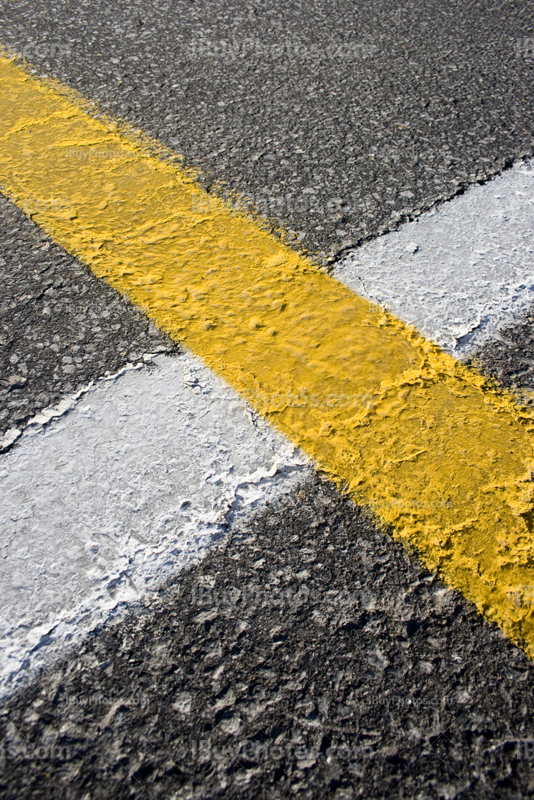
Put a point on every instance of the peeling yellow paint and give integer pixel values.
(440, 455)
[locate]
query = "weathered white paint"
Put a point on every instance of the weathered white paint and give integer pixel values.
(100, 505)
(459, 272)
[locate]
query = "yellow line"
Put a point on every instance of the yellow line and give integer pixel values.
(439, 454)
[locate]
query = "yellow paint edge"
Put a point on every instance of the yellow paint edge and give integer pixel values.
(150, 146)
(438, 452)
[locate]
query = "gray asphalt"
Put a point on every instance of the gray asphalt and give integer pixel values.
(337, 119)
(60, 327)
(510, 357)
(343, 669)
(311, 658)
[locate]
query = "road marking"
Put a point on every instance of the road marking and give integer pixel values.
(459, 272)
(102, 505)
(438, 453)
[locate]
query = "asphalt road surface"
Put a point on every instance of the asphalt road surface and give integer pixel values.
(299, 650)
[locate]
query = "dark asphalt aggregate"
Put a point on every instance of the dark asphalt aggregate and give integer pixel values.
(337, 119)
(60, 327)
(509, 358)
(311, 656)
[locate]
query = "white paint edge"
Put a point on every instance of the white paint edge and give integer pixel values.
(460, 272)
(100, 506)
(67, 403)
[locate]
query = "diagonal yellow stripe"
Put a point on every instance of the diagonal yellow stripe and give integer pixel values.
(440, 455)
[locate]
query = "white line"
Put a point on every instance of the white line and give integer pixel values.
(104, 503)
(459, 272)
(143, 472)
(64, 405)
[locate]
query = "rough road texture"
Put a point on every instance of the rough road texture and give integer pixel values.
(510, 357)
(103, 505)
(335, 119)
(311, 658)
(60, 327)
(401, 672)
(460, 272)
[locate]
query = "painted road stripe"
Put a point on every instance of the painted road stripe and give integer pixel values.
(459, 272)
(440, 455)
(102, 505)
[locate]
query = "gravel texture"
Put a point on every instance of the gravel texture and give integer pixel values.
(336, 119)
(311, 658)
(510, 357)
(103, 504)
(460, 272)
(60, 327)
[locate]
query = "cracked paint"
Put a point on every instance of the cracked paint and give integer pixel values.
(461, 271)
(104, 503)
(441, 455)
